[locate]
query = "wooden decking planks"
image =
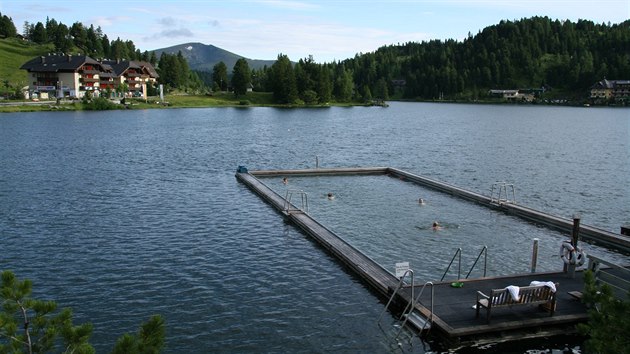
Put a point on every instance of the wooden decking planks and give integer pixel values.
(453, 314)
(607, 238)
(323, 172)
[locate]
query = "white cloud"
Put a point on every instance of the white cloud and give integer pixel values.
(170, 33)
(109, 20)
(327, 42)
(286, 4)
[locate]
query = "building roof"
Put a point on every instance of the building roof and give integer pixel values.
(53, 63)
(609, 84)
(107, 72)
(121, 66)
(149, 68)
(58, 63)
(503, 92)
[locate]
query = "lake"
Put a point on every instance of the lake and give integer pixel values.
(121, 215)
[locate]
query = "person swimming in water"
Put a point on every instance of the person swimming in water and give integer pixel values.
(436, 226)
(421, 201)
(330, 196)
(285, 180)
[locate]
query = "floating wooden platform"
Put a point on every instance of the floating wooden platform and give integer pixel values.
(453, 315)
(379, 278)
(590, 233)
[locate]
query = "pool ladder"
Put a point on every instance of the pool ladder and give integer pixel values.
(503, 190)
(290, 208)
(410, 313)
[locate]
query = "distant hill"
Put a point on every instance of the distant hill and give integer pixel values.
(203, 57)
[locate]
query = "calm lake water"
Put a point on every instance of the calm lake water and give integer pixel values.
(121, 215)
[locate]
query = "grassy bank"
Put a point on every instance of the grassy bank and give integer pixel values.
(222, 99)
(15, 52)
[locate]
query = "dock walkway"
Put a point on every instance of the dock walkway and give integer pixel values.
(453, 315)
(587, 232)
(377, 276)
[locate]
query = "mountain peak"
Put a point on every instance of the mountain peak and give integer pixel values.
(203, 57)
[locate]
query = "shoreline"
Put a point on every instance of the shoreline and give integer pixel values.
(201, 101)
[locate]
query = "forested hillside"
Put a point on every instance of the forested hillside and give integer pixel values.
(563, 57)
(529, 53)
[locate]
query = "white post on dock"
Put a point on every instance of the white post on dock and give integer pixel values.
(534, 255)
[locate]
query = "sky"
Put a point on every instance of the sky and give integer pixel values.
(328, 30)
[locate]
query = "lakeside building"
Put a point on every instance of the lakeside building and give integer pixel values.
(520, 95)
(66, 75)
(609, 90)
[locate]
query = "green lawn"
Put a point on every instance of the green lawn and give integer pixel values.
(253, 99)
(220, 99)
(13, 54)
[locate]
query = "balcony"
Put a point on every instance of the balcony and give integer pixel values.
(133, 83)
(89, 79)
(41, 82)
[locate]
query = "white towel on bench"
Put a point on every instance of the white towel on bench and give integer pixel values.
(514, 290)
(550, 284)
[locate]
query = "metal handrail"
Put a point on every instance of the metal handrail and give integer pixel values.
(619, 283)
(459, 269)
(485, 262)
(502, 187)
(400, 285)
(289, 195)
(411, 306)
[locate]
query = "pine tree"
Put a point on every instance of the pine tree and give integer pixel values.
(7, 28)
(219, 76)
(39, 34)
(36, 326)
(282, 79)
(609, 318)
(241, 77)
(324, 85)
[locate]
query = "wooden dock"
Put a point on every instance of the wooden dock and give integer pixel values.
(453, 315)
(587, 232)
(378, 277)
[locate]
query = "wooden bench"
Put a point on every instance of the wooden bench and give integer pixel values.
(528, 295)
